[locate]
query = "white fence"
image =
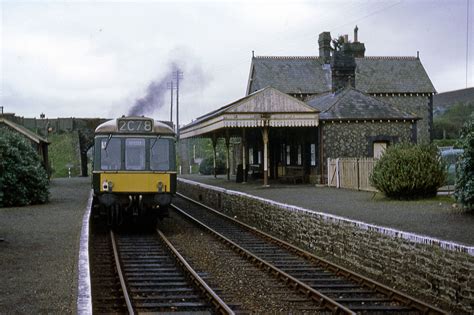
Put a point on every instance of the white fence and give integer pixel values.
(352, 173)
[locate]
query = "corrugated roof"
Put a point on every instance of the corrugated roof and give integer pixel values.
(26, 132)
(309, 75)
(265, 101)
(351, 104)
(264, 91)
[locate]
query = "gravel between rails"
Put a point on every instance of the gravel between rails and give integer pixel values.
(39, 254)
(239, 282)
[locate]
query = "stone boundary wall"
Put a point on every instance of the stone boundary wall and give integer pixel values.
(435, 270)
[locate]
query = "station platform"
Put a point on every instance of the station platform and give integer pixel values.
(437, 218)
(39, 252)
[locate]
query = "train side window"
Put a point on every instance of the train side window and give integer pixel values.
(110, 154)
(134, 154)
(159, 155)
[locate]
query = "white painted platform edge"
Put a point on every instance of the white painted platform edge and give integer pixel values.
(84, 297)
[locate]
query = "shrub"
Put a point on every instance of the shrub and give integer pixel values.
(464, 189)
(407, 171)
(207, 166)
(24, 179)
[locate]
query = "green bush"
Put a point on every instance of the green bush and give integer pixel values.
(407, 171)
(207, 166)
(24, 179)
(464, 189)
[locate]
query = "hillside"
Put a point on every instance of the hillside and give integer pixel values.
(64, 153)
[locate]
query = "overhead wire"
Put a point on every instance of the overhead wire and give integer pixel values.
(298, 39)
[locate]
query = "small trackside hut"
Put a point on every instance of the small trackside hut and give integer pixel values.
(134, 169)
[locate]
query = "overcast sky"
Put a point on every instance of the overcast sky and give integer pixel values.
(96, 59)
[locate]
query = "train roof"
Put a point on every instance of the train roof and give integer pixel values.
(111, 126)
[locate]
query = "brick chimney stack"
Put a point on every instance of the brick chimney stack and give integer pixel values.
(343, 68)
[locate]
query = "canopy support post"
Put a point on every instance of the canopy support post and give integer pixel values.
(265, 156)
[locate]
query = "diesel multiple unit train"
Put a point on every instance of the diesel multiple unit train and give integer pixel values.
(134, 170)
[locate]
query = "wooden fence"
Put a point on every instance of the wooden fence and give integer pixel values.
(352, 173)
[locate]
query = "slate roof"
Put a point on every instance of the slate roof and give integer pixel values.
(290, 74)
(309, 75)
(352, 104)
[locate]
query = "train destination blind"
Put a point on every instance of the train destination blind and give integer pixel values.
(135, 125)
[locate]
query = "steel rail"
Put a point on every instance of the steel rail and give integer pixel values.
(289, 280)
(120, 274)
(220, 306)
(338, 270)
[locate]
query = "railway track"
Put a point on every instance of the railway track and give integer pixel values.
(334, 288)
(135, 273)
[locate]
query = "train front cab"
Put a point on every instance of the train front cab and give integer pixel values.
(134, 176)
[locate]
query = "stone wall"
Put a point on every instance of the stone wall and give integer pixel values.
(421, 106)
(434, 270)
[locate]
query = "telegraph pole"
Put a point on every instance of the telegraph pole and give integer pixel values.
(179, 75)
(467, 40)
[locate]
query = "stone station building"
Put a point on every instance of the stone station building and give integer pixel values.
(300, 111)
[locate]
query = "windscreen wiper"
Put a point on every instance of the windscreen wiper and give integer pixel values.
(107, 143)
(154, 142)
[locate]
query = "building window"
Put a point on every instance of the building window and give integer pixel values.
(379, 148)
(250, 155)
(259, 157)
(313, 154)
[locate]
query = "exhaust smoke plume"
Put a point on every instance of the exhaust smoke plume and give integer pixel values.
(155, 94)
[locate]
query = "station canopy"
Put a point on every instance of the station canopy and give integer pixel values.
(267, 107)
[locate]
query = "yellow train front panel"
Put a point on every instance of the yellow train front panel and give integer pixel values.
(134, 182)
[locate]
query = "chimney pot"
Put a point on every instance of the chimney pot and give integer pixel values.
(325, 46)
(356, 29)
